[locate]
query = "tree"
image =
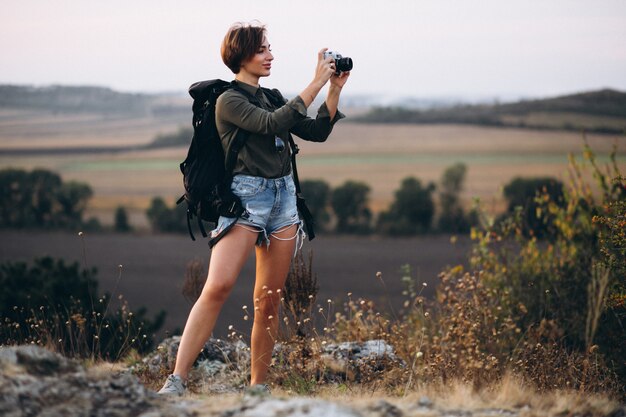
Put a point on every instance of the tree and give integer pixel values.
(164, 219)
(72, 198)
(41, 199)
(452, 219)
(349, 202)
(121, 220)
(317, 195)
(411, 212)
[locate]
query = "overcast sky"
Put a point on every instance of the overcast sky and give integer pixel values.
(436, 48)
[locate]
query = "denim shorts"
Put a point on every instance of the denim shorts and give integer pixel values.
(270, 205)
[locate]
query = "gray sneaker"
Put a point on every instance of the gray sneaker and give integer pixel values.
(257, 390)
(174, 385)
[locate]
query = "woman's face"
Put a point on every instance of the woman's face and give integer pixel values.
(261, 63)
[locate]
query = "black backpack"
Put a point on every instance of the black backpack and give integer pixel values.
(208, 172)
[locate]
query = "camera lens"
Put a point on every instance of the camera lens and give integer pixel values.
(344, 64)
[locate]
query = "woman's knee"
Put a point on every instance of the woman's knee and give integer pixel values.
(216, 292)
(266, 308)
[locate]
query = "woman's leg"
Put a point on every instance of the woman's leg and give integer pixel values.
(227, 259)
(272, 267)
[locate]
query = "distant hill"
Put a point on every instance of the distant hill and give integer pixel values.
(81, 99)
(601, 111)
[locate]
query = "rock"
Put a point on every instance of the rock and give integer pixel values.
(351, 360)
(293, 407)
(385, 409)
(215, 350)
(35, 381)
(424, 402)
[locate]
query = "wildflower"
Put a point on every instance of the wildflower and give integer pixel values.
(120, 266)
(426, 314)
(80, 233)
(230, 327)
(329, 301)
(245, 317)
(419, 355)
(424, 284)
(270, 317)
(349, 294)
(310, 297)
(270, 292)
(244, 307)
(379, 275)
(264, 287)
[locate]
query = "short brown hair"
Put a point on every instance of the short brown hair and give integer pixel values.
(241, 42)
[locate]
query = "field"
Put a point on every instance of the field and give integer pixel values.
(379, 155)
(153, 267)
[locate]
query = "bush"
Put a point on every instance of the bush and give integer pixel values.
(521, 195)
(575, 279)
(57, 305)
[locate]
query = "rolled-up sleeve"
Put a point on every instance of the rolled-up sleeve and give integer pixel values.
(318, 129)
(236, 109)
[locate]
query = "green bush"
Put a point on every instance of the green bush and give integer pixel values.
(576, 278)
(57, 305)
(521, 194)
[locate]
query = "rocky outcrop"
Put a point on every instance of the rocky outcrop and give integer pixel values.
(37, 382)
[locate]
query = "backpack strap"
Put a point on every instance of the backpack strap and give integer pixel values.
(309, 221)
(276, 98)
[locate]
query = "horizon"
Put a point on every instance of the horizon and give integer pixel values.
(406, 49)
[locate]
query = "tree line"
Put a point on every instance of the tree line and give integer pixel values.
(345, 209)
(41, 199)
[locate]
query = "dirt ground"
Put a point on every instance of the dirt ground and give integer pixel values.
(153, 267)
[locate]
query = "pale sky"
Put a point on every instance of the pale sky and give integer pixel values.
(436, 48)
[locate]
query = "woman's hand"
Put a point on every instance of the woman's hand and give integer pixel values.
(325, 68)
(339, 80)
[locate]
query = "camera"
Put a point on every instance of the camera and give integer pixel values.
(342, 63)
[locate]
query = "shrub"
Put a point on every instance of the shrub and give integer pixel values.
(57, 305)
(521, 193)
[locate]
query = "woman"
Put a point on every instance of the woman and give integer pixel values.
(262, 180)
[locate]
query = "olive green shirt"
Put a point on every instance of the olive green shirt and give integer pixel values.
(259, 156)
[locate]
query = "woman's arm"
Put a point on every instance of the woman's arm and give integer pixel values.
(318, 129)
